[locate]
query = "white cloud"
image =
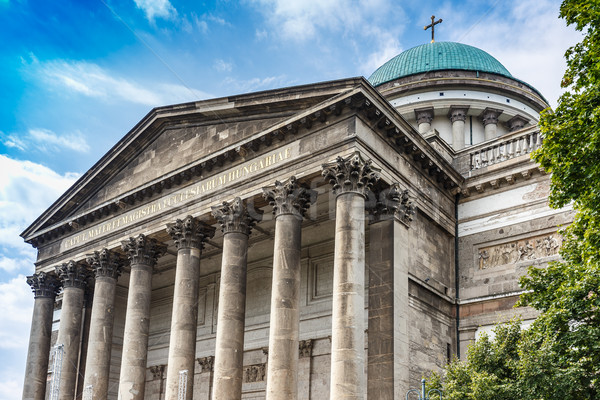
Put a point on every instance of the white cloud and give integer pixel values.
(91, 80)
(527, 37)
(46, 140)
(15, 319)
(222, 66)
(17, 306)
(156, 8)
(375, 25)
(254, 84)
(26, 190)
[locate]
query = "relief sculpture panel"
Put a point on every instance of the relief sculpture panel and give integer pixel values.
(519, 250)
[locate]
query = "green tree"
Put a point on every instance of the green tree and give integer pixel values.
(489, 373)
(560, 354)
(558, 357)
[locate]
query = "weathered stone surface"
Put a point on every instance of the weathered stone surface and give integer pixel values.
(143, 253)
(74, 280)
(107, 266)
(45, 288)
(189, 236)
(236, 224)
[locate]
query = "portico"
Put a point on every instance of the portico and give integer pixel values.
(246, 270)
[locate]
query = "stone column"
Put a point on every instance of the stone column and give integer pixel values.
(236, 224)
(458, 115)
(189, 236)
(424, 117)
(107, 266)
(45, 287)
(489, 116)
(352, 178)
(73, 277)
(143, 253)
(290, 200)
(388, 341)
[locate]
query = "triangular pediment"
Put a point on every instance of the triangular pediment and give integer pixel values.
(171, 137)
(175, 144)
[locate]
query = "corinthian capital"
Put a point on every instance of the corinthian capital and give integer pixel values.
(106, 263)
(394, 202)
(289, 197)
(143, 250)
(351, 174)
(72, 274)
(190, 233)
(234, 217)
(44, 285)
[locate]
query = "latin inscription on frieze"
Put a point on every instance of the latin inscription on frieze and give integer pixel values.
(519, 251)
(196, 192)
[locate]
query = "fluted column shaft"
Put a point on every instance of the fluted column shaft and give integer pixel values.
(73, 277)
(289, 201)
(351, 179)
(107, 267)
(142, 253)
(189, 236)
(45, 288)
(229, 350)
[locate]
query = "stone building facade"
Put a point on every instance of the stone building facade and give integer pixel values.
(334, 240)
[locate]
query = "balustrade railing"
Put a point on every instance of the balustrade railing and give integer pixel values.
(511, 147)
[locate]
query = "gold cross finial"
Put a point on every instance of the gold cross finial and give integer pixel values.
(432, 26)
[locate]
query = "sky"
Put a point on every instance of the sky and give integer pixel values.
(78, 75)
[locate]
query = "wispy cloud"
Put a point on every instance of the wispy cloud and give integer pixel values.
(26, 190)
(250, 85)
(157, 9)
(532, 52)
(378, 24)
(91, 80)
(223, 66)
(46, 140)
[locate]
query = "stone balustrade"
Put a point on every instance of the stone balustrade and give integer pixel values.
(505, 148)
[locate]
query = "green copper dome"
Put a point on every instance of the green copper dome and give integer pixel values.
(435, 57)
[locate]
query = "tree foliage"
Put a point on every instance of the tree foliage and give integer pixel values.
(558, 357)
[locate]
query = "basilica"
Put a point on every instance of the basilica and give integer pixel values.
(334, 240)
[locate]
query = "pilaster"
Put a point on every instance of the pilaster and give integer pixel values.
(388, 341)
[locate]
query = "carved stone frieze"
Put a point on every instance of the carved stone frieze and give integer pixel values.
(206, 363)
(106, 263)
(73, 274)
(234, 216)
(254, 373)
(44, 285)
(351, 174)
(305, 348)
(520, 250)
(394, 202)
(143, 250)
(190, 232)
(289, 197)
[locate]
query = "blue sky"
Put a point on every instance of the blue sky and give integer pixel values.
(77, 75)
